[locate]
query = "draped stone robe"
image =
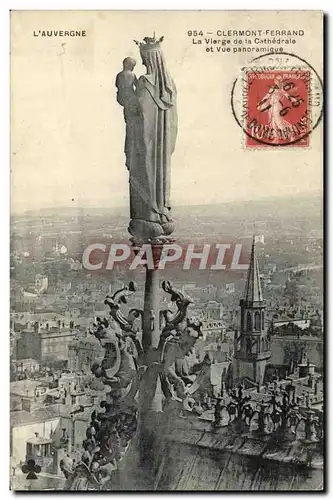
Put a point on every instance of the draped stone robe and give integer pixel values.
(151, 130)
(148, 156)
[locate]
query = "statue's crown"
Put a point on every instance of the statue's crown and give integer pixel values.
(149, 43)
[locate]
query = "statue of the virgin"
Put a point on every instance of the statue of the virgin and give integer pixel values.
(150, 114)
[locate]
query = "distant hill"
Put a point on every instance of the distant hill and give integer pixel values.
(271, 208)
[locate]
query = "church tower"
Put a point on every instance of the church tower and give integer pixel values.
(252, 349)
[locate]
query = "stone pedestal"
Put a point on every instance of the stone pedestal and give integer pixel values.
(151, 312)
(150, 392)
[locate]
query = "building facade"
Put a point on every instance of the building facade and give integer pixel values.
(252, 345)
(54, 345)
(82, 353)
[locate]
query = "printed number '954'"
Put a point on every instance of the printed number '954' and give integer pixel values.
(195, 33)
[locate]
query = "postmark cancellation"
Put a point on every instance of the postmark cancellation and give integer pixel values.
(277, 103)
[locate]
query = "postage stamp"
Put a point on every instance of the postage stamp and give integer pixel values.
(277, 108)
(277, 100)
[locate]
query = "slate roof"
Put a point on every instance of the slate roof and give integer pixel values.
(24, 387)
(24, 417)
(253, 292)
(197, 458)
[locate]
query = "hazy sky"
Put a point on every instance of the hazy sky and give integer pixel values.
(68, 130)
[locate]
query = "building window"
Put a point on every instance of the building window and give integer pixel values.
(248, 321)
(257, 321)
(248, 346)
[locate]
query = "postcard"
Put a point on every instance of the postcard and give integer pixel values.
(166, 260)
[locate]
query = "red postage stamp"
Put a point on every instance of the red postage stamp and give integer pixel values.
(277, 104)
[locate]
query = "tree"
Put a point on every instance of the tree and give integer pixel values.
(291, 292)
(293, 353)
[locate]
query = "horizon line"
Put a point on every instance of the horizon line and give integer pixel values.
(312, 194)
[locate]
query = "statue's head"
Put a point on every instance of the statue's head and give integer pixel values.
(150, 57)
(129, 63)
(144, 59)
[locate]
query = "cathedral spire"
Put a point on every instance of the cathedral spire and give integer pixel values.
(253, 292)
